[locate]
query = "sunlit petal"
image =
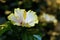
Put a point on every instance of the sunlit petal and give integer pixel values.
(13, 19)
(31, 18)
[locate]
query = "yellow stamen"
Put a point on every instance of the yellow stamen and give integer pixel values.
(24, 15)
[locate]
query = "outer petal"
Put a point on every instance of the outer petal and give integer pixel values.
(13, 19)
(20, 14)
(31, 18)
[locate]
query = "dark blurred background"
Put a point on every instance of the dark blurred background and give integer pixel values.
(48, 6)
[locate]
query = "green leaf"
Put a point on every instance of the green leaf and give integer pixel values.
(28, 36)
(4, 28)
(38, 37)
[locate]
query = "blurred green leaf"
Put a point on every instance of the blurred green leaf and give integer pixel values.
(4, 28)
(29, 36)
(38, 37)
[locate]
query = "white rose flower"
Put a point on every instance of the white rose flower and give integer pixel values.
(23, 18)
(48, 18)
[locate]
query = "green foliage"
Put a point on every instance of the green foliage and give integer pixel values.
(4, 27)
(21, 32)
